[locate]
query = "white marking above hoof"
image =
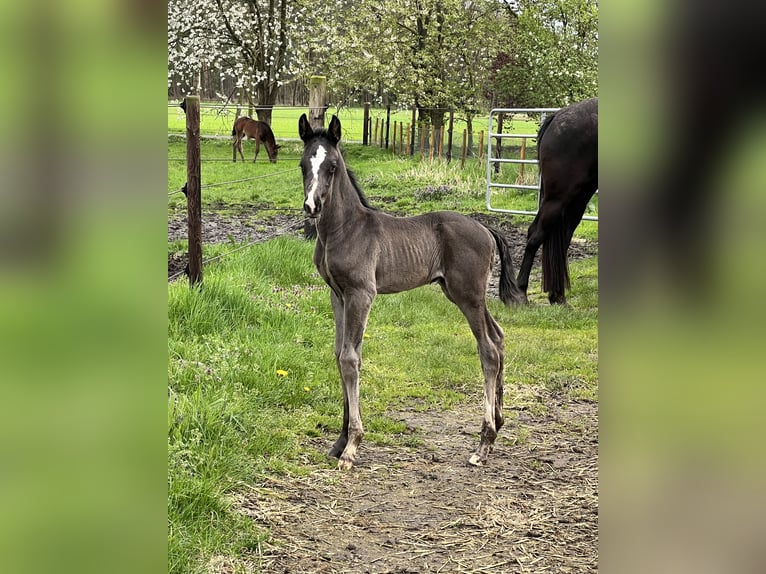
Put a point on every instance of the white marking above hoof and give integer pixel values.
(476, 461)
(345, 465)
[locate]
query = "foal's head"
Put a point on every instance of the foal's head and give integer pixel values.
(321, 158)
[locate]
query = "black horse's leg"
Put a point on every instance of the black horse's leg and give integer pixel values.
(535, 237)
(257, 147)
(572, 217)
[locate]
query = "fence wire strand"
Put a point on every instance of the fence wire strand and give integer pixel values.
(275, 234)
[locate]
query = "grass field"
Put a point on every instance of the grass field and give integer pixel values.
(403, 184)
(284, 121)
(251, 373)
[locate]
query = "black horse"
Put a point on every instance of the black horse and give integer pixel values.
(567, 150)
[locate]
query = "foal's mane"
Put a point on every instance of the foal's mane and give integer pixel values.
(322, 133)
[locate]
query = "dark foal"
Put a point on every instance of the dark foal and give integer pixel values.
(361, 252)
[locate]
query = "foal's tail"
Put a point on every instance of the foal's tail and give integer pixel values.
(509, 291)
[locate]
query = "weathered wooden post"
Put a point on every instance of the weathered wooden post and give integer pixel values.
(388, 122)
(366, 128)
(410, 146)
(317, 100)
(193, 189)
(522, 156)
(393, 140)
(465, 139)
(449, 136)
(499, 141)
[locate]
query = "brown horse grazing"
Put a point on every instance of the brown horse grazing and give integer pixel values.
(567, 150)
(257, 130)
(361, 252)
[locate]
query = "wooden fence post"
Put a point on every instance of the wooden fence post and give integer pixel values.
(465, 140)
(393, 140)
(412, 141)
(375, 133)
(449, 139)
(409, 147)
(388, 122)
(422, 140)
(193, 189)
(522, 156)
(481, 144)
(366, 128)
(499, 141)
(317, 100)
(431, 141)
(401, 138)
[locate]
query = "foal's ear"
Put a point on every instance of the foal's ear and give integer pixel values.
(304, 128)
(334, 129)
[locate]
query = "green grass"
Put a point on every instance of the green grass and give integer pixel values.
(251, 372)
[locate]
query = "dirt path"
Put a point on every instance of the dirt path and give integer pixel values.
(533, 508)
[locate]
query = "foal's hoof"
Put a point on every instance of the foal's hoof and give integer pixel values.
(345, 464)
(476, 460)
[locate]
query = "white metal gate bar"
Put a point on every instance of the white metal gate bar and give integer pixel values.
(492, 160)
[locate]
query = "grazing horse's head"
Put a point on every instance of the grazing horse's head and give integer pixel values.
(273, 151)
(319, 162)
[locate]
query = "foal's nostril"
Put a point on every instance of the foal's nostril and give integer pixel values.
(312, 210)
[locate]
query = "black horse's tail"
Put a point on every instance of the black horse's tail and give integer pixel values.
(554, 259)
(233, 131)
(509, 291)
(556, 242)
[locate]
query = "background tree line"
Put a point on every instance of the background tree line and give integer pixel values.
(467, 55)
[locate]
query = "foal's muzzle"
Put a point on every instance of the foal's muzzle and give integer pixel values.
(312, 211)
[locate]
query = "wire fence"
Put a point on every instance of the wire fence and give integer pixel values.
(232, 181)
(276, 233)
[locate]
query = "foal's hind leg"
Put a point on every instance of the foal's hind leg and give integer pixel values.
(257, 147)
(489, 338)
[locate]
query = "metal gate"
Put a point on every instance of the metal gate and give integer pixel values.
(491, 161)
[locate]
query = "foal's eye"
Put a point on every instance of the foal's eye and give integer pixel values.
(332, 167)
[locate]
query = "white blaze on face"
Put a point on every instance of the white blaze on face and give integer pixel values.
(316, 162)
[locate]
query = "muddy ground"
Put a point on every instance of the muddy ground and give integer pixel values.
(407, 510)
(532, 508)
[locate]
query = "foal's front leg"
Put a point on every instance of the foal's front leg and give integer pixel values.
(337, 310)
(356, 309)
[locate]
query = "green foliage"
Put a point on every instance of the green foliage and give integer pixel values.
(553, 60)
